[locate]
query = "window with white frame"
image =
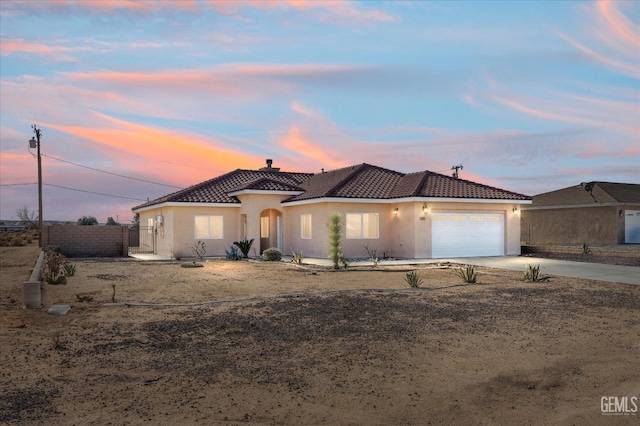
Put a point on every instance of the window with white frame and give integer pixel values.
(305, 226)
(208, 227)
(150, 225)
(362, 225)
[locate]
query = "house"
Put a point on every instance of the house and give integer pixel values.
(591, 212)
(414, 215)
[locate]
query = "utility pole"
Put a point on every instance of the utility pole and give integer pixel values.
(455, 170)
(35, 143)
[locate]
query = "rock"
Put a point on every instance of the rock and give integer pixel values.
(59, 309)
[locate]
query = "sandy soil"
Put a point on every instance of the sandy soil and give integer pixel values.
(355, 347)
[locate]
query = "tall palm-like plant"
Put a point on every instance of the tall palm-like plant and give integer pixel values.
(335, 239)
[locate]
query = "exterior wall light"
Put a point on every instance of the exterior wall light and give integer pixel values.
(395, 211)
(425, 208)
(515, 209)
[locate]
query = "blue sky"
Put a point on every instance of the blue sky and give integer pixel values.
(528, 96)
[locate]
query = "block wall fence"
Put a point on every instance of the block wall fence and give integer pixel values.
(88, 240)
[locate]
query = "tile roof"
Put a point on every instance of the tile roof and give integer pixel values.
(601, 192)
(217, 190)
(358, 181)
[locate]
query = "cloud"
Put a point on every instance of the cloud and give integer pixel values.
(611, 38)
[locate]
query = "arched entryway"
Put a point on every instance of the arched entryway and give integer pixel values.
(270, 229)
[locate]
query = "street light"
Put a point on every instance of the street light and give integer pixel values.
(35, 143)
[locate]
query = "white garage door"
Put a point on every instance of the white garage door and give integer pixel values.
(467, 234)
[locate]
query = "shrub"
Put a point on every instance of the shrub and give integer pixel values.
(468, 274)
(531, 273)
(233, 253)
(244, 246)
(586, 249)
(272, 254)
(69, 269)
(198, 249)
(53, 273)
(413, 279)
(335, 239)
(298, 257)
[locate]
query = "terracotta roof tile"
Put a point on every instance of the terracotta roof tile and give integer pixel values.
(359, 181)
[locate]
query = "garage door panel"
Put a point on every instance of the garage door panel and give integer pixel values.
(467, 234)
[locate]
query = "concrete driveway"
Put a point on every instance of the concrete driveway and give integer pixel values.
(593, 271)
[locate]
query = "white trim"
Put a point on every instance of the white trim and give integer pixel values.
(580, 206)
(184, 204)
(403, 200)
(265, 192)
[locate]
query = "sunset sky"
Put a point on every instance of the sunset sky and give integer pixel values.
(527, 96)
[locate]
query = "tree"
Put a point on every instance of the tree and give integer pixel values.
(110, 221)
(27, 217)
(335, 239)
(87, 220)
(135, 224)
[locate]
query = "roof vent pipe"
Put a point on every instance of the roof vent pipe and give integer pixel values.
(269, 163)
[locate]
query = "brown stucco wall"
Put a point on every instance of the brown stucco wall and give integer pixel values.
(88, 241)
(593, 225)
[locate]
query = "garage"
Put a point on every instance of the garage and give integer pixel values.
(464, 234)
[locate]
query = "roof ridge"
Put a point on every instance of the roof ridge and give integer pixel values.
(479, 184)
(356, 169)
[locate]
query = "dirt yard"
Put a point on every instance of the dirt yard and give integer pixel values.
(275, 344)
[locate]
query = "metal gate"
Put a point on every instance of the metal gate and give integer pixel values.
(142, 240)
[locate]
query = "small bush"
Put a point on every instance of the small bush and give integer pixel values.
(244, 246)
(272, 254)
(69, 269)
(298, 257)
(233, 253)
(586, 249)
(468, 274)
(413, 279)
(54, 264)
(532, 273)
(198, 249)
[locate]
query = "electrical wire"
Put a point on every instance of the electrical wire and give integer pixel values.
(76, 189)
(110, 173)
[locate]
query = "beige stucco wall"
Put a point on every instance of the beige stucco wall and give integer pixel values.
(406, 234)
(593, 225)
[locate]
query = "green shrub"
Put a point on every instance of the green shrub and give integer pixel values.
(468, 274)
(233, 253)
(244, 246)
(531, 273)
(272, 254)
(413, 279)
(335, 239)
(586, 249)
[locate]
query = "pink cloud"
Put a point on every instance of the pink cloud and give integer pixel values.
(128, 143)
(623, 28)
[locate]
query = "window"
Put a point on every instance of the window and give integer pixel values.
(305, 226)
(208, 227)
(264, 227)
(150, 225)
(362, 225)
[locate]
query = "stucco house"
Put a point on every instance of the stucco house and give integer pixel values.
(591, 212)
(414, 215)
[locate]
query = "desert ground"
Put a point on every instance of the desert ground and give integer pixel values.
(265, 343)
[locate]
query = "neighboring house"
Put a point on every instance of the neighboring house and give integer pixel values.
(415, 215)
(592, 212)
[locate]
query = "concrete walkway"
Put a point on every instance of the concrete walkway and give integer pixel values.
(564, 268)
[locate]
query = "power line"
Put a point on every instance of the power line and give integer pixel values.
(92, 192)
(110, 173)
(76, 189)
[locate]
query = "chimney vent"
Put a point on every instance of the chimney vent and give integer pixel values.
(269, 168)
